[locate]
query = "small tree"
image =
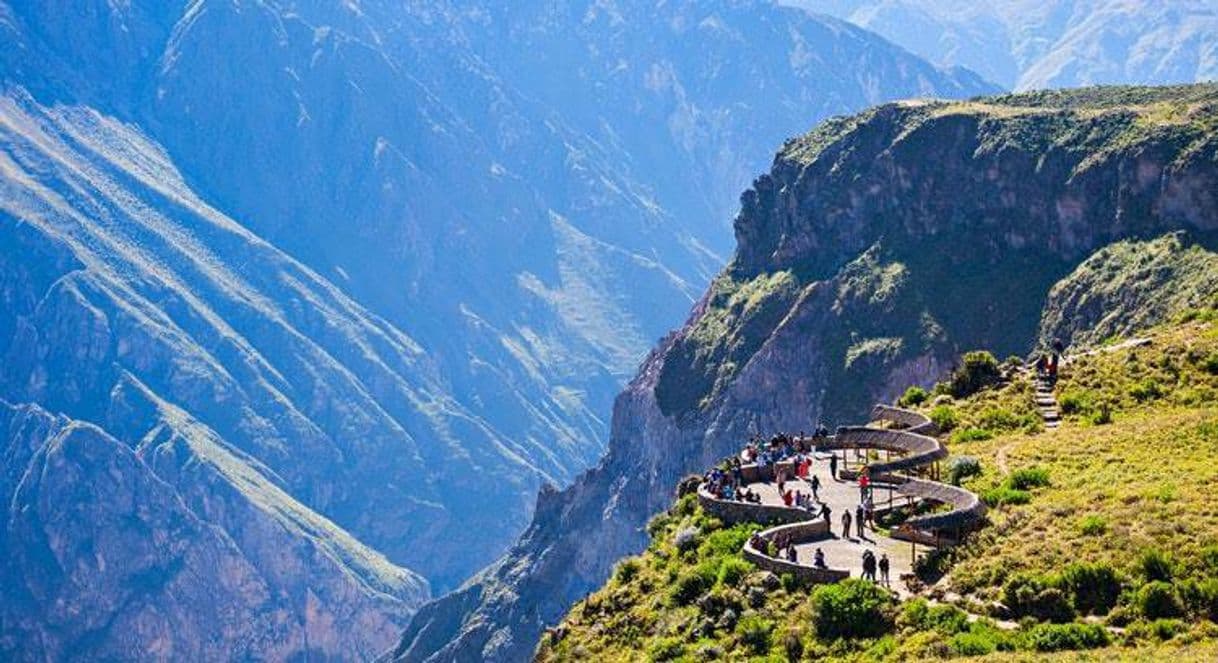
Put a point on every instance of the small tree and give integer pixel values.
(853, 608)
(977, 371)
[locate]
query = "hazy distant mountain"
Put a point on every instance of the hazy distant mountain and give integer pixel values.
(1028, 44)
(364, 273)
(216, 404)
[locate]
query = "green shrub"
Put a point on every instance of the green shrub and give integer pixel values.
(1027, 478)
(1145, 390)
(1093, 588)
(1004, 495)
(1210, 364)
(691, 584)
(755, 633)
(919, 615)
(977, 371)
(961, 468)
(944, 417)
(1201, 598)
(666, 649)
(1075, 401)
(727, 541)
(1028, 595)
(1208, 557)
(1158, 600)
(913, 397)
(1156, 565)
(972, 644)
(1158, 629)
(1067, 637)
(997, 418)
(971, 435)
(628, 570)
(1093, 525)
(732, 570)
(853, 608)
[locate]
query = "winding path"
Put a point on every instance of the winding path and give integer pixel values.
(908, 448)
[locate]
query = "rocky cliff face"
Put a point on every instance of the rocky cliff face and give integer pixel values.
(877, 248)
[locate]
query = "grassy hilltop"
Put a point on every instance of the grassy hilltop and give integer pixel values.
(1103, 540)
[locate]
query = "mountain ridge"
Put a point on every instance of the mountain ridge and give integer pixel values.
(846, 288)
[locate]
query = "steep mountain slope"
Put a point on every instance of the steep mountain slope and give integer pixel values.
(1105, 521)
(178, 548)
(524, 191)
(1129, 286)
(877, 248)
(225, 375)
(1027, 44)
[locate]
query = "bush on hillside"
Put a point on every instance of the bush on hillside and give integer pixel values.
(977, 371)
(913, 397)
(853, 608)
(733, 570)
(965, 435)
(1093, 588)
(961, 468)
(1067, 637)
(1093, 525)
(944, 417)
(919, 615)
(1155, 564)
(1201, 598)
(1027, 478)
(1159, 600)
(1005, 495)
(1029, 595)
(755, 633)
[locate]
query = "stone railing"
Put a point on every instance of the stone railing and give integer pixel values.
(917, 450)
(800, 532)
(732, 512)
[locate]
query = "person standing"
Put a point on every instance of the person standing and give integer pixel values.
(884, 569)
(827, 513)
(833, 465)
(815, 487)
(859, 518)
(846, 523)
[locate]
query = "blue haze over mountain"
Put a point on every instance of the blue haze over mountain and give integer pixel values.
(1033, 44)
(326, 290)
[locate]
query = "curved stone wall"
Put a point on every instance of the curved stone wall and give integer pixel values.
(911, 439)
(732, 511)
(801, 532)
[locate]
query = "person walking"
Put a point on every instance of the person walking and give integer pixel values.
(869, 566)
(833, 465)
(815, 487)
(884, 569)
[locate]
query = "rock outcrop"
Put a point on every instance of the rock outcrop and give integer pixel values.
(877, 248)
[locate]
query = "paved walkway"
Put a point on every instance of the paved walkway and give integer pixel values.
(846, 553)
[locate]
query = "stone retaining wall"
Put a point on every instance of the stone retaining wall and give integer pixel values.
(732, 511)
(800, 533)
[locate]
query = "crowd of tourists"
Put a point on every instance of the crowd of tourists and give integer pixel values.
(798, 487)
